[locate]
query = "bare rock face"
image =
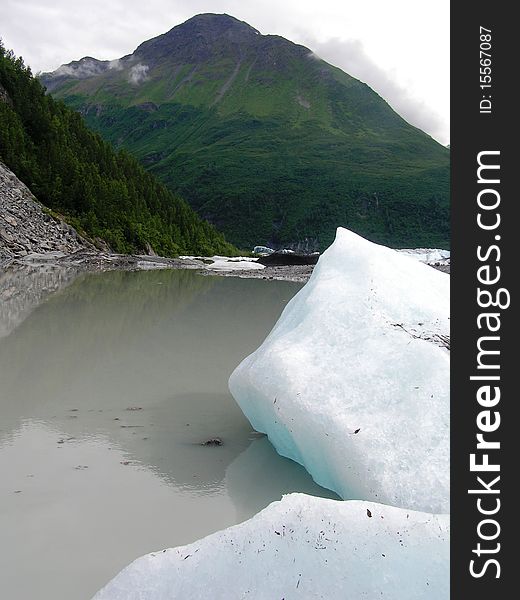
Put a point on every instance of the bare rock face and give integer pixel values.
(4, 96)
(26, 228)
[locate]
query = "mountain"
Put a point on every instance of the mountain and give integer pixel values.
(263, 138)
(74, 172)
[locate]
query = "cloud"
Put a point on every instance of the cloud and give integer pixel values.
(351, 57)
(115, 64)
(406, 39)
(86, 67)
(138, 73)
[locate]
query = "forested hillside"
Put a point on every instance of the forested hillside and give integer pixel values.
(263, 138)
(73, 171)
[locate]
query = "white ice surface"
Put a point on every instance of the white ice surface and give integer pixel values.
(427, 255)
(222, 263)
(226, 263)
(353, 381)
(263, 250)
(301, 548)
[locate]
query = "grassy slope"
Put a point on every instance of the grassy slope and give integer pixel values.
(292, 149)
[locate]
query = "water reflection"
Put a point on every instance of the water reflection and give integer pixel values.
(108, 389)
(74, 513)
(24, 288)
(271, 476)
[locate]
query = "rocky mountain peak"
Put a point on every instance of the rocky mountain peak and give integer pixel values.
(210, 27)
(215, 24)
(197, 38)
(265, 140)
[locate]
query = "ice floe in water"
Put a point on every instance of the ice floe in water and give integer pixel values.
(428, 255)
(302, 548)
(226, 263)
(223, 263)
(353, 381)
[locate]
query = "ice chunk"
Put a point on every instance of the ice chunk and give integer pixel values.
(428, 255)
(223, 263)
(262, 250)
(353, 381)
(300, 548)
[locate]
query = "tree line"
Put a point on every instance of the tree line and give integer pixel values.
(74, 172)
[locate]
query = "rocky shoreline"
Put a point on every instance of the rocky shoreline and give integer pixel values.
(33, 238)
(297, 273)
(92, 261)
(86, 260)
(27, 227)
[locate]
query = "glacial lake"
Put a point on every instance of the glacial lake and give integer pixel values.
(109, 385)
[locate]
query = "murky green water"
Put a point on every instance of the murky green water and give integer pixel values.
(107, 389)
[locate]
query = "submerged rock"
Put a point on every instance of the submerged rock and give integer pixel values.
(300, 548)
(353, 381)
(213, 442)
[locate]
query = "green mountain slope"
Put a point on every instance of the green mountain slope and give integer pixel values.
(263, 138)
(72, 170)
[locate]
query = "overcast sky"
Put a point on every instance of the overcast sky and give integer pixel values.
(400, 47)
